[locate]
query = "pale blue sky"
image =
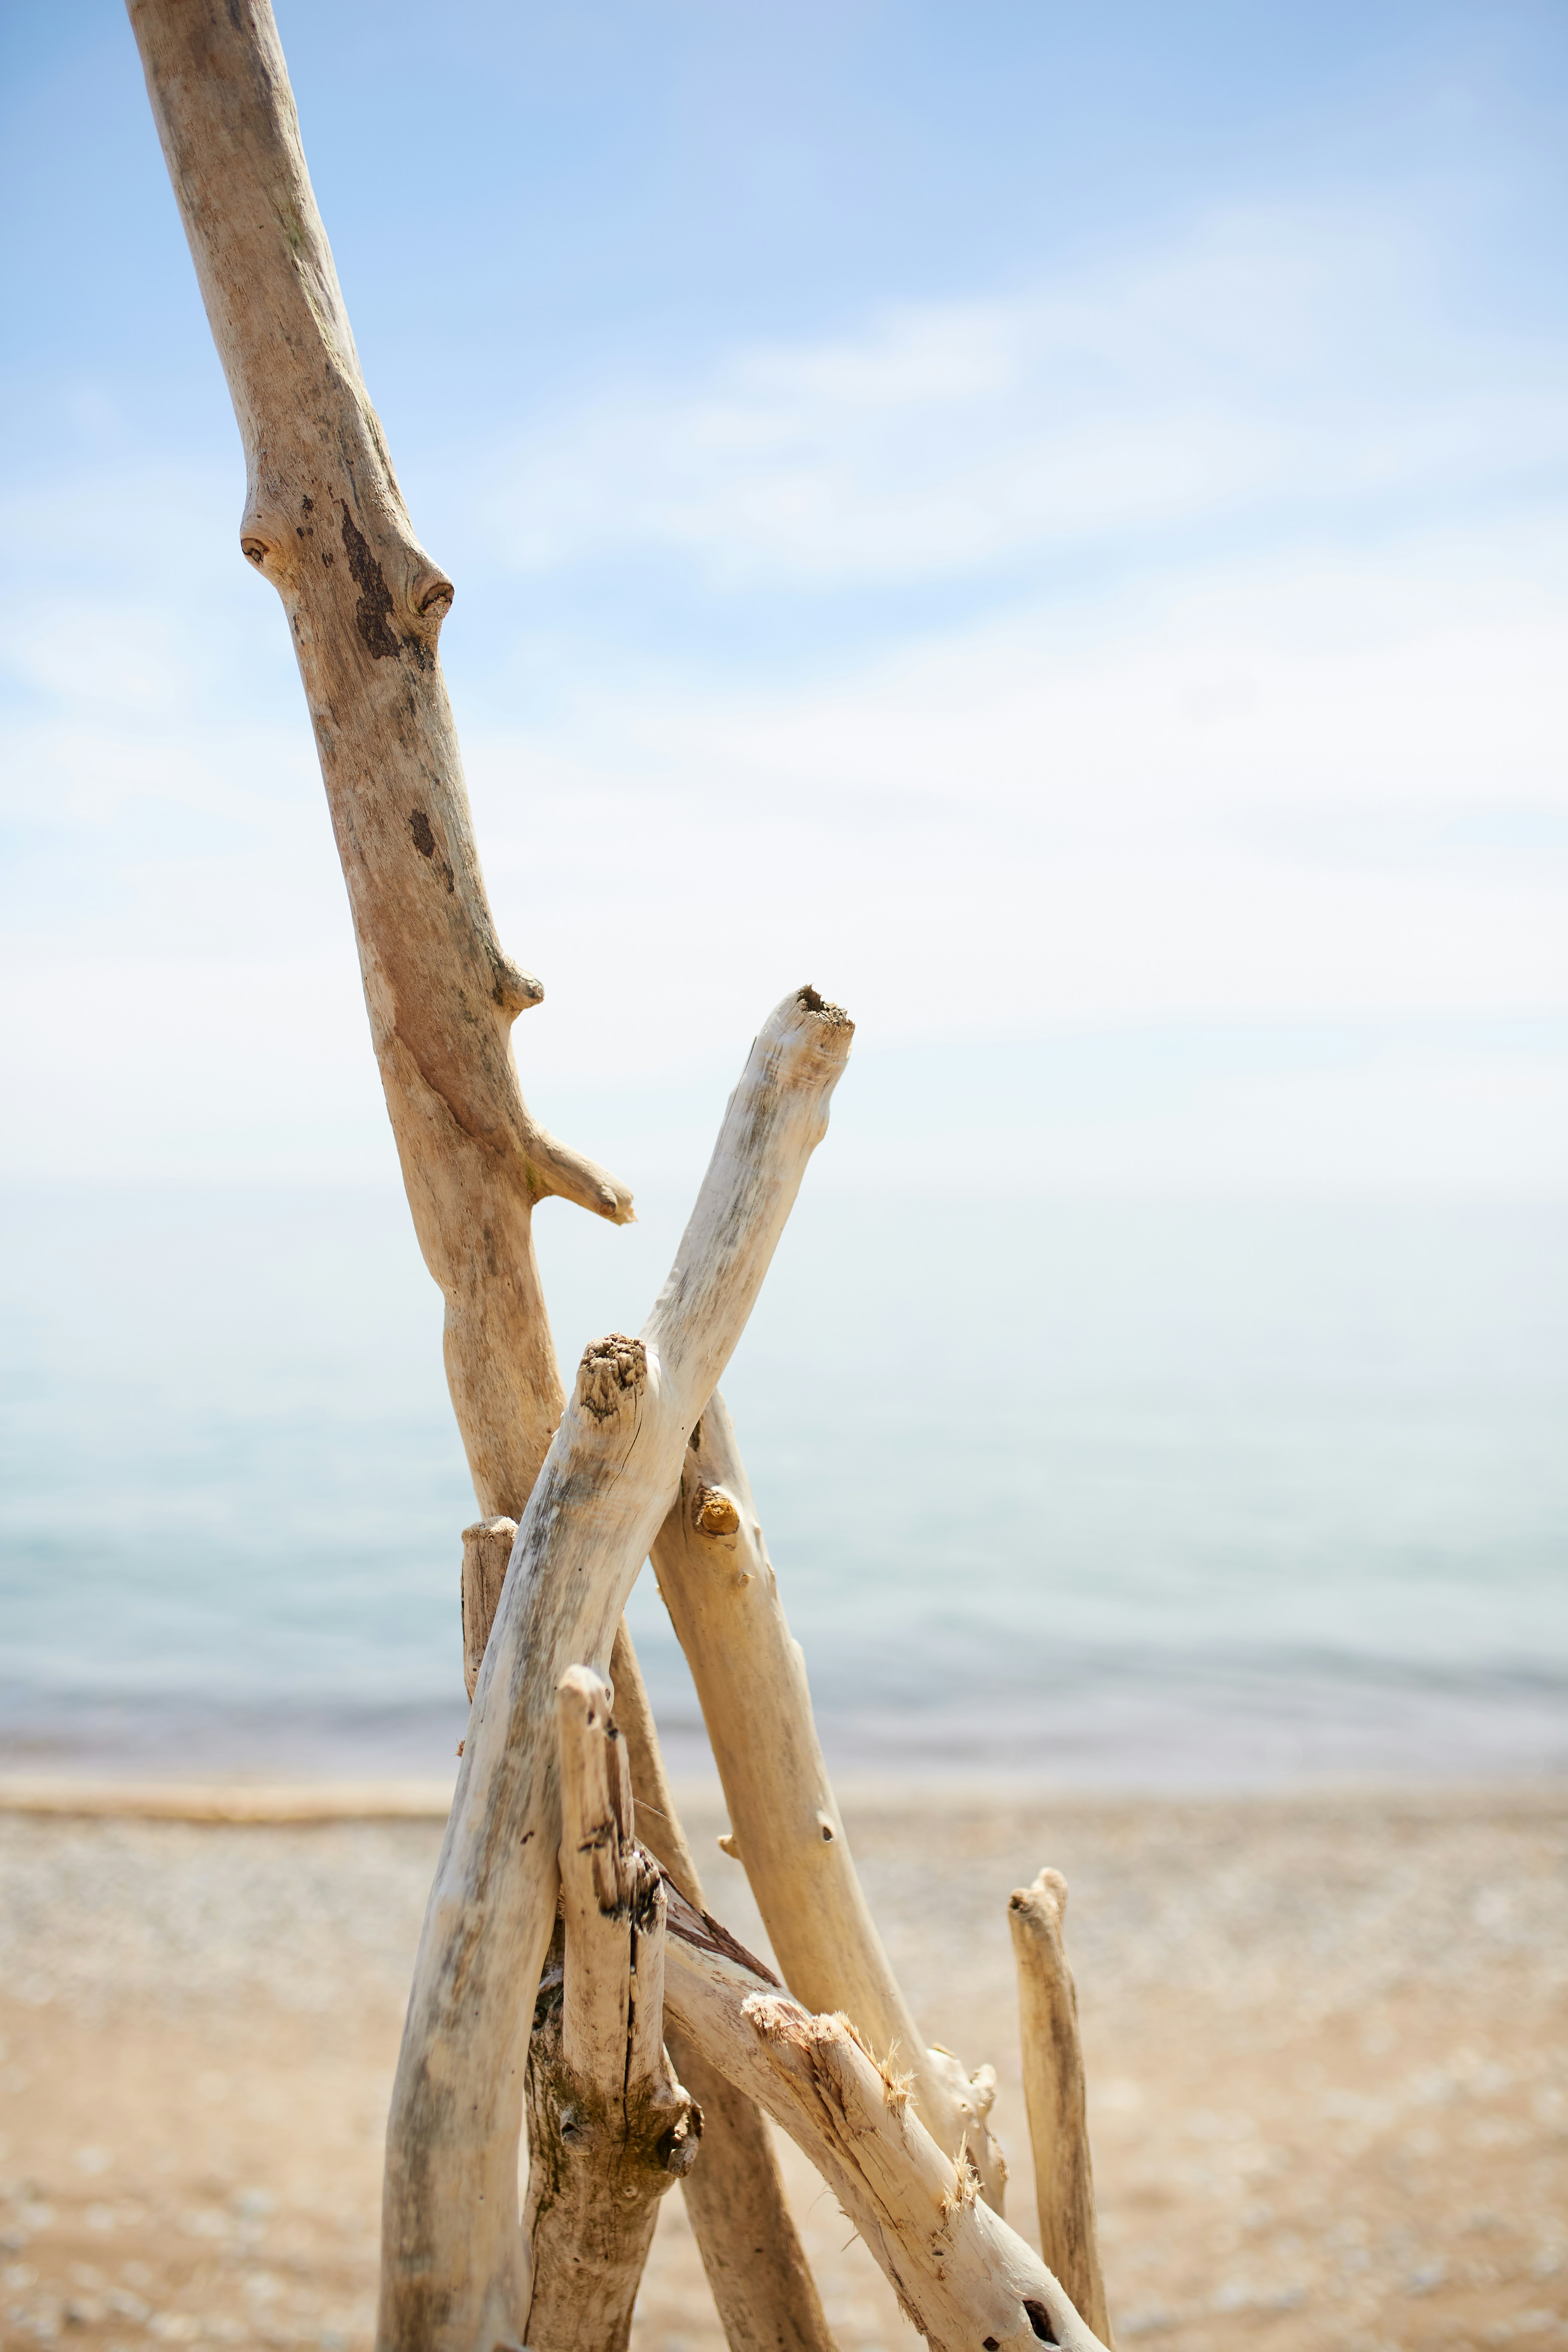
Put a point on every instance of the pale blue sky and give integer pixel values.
(1052, 522)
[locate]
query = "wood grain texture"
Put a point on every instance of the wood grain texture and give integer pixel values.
(452, 2273)
(1053, 2094)
(610, 2128)
(718, 1583)
(486, 1549)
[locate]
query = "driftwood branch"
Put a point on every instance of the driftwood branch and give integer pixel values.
(765, 2294)
(966, 2280)
(1053, 2094)
(451, 2271)
(610, 2127)
(324, 520)
(718, 1583)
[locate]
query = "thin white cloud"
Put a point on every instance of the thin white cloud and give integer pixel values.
(1249, 792)
(102, 658)
(1325, 778)
(1291, 360)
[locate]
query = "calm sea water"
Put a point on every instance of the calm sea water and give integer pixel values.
(1121, 1494)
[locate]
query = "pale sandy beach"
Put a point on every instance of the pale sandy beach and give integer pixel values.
(1327, 2040)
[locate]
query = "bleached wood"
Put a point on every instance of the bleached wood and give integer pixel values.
(324, 520)
(658, 1824)
(610, 2127)
(966, 2280)
(718, 1583)
(751, 2250)
(603, 1882)
(486, 1548)
(451, 2272)
(1053, 2094)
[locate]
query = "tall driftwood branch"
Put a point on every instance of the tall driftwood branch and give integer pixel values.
(451, 2263)
(1053, 2094)
(324, 520)
(718, 1583)
(966, 2280)
(610, 2127)
(751, 2250)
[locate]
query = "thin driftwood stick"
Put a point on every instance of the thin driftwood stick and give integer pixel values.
(718, 1583)
(486, 1549)
(751, 2250)
(966, 2280)
(1053, 2094)
(324, 520)
(611, 2128)
(451, 2265)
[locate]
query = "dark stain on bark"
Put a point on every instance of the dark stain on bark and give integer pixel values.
(373, 613)
(425, 843)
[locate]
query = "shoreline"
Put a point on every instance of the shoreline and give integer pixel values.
(237, 1800)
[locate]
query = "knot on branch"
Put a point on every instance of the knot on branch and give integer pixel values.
(679, 2146)
(611, 1370)
(627, 1882)
(515, 990)
(714, 1513)
(431, 594)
